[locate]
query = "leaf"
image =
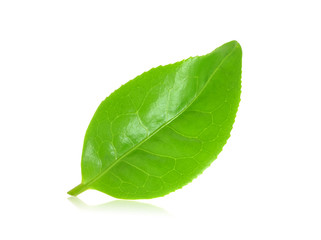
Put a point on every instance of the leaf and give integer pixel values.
(160, 130)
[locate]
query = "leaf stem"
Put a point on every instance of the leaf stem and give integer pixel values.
(78, 189)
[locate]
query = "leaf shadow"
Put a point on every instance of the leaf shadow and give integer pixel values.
(120, 207)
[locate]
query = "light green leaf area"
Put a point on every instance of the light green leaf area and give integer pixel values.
(160, 130)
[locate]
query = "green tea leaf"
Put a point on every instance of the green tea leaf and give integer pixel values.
(160, 130)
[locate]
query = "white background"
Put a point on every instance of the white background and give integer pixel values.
(60, 59)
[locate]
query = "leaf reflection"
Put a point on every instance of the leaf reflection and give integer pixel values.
(120, 206)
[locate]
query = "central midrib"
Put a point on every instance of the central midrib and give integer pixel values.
(160, 127)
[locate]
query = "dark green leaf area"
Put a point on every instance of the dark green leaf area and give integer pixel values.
(160, 130)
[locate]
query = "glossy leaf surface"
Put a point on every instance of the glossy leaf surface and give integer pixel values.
(160, 130)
